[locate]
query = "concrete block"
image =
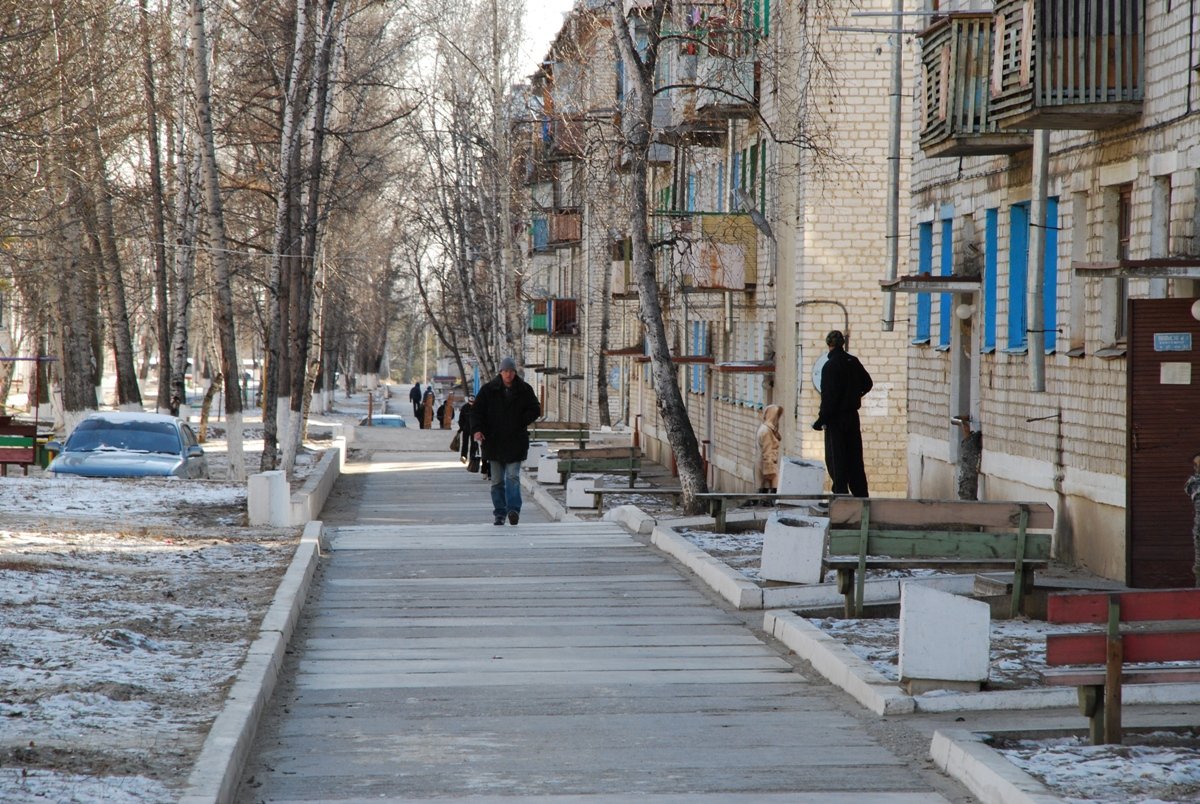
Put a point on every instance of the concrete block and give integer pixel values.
(943, 637)
(268, 499)
(578, 488)
(547, 468)
(536, 450)
(793, 547)
(799, 476)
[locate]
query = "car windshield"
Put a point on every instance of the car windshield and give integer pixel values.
(135, 436)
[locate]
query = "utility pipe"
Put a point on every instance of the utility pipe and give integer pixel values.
(893, 209)
(1035, 312)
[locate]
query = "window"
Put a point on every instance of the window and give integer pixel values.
(991, 241)
(1050, 278)
(691, 192)
(1124, 228)
(721, 187)
(698, 345)
(1078, 300)
(924, 266)
(945, 301)
(1018, 276)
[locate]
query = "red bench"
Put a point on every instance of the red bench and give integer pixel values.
(1098, 662)
(18, 445)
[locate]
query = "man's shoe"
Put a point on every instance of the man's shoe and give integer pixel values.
(513, 517)
(499, 520)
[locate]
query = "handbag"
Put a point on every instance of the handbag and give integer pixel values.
(456, 442)
(473, 464)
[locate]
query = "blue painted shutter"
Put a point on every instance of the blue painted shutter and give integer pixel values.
(946, 302)
(991, 249)
(924, 266)
(1018, 275)
(1050, 286)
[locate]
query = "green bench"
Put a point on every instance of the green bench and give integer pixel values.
(18, 446)
(951, 535)
(551, 432)
(1098, 662)
(603, 460)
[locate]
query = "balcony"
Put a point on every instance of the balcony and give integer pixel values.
(553, 317)
(1067, 65)
(564, 228)
(956, 53)
(726, 85)
(624, 284)
(715, 251)
(564, 139)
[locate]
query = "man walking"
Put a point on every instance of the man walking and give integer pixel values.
(844, 382)
(504, 408)
(414, 396)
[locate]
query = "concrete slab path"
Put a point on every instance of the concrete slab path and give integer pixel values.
(441, 657)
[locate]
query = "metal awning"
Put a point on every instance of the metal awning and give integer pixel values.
(746, 367)
(929, 283)
(681, 359)
(637, 350)
(1155, 268)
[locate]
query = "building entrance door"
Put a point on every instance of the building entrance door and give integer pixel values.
(1163, 433)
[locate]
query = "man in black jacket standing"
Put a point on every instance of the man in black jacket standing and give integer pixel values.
(844, 382)
(504, 409)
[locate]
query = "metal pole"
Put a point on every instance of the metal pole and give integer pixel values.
(893, 214)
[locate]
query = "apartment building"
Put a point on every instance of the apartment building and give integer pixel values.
(1055, 235)
(769, 211)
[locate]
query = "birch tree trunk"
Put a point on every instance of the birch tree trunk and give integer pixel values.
(223, 302)
(285, 242)
(637, 129)
(158, 229)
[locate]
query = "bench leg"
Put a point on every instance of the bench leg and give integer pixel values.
(845, 585)
(1091, 706)
(719, 516)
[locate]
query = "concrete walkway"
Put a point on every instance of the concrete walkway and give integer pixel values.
(441, 657)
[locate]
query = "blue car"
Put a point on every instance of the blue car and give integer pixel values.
(130, 445)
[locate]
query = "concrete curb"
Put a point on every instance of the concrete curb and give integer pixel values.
(214, 777)
(307, 502)
(985, 772)
(553, 508)
(838, 664)
(631, 518)
(728, 583)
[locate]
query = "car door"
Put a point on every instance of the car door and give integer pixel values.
(196, 466)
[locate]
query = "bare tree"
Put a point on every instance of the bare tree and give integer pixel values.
(637, 128)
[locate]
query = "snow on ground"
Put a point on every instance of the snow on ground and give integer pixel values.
(1157, 767)
(126, 609)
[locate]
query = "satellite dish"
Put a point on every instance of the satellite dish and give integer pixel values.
(818, 366)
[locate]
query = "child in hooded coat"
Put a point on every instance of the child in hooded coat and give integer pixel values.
(766, 451)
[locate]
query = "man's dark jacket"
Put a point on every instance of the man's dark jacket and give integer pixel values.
(844, 381)
(502, 415)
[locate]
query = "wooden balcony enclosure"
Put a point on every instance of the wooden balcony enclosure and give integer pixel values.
(956, 52)
(565, 227)
(715, 251)
(565, 139)
(1067, 64)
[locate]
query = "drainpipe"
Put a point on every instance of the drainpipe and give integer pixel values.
(1035, 312)
(893, 210)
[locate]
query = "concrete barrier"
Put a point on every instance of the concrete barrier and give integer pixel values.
(307, 502)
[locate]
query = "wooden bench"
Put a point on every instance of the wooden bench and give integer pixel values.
(560, 431)
(958, 535)
(599, 492)
(720, 503)
(606, 460)
(18, 446)
(1102, 657)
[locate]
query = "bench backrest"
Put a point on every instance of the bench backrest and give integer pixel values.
(593, 453)
(939, 529)
(559, 426)
(1123, 607)
(18, 443)
(940, 514)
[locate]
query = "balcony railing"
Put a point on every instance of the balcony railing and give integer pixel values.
(565, 227)
(957, 121)
(714, 251)
(553, 317)
(1067, 64)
